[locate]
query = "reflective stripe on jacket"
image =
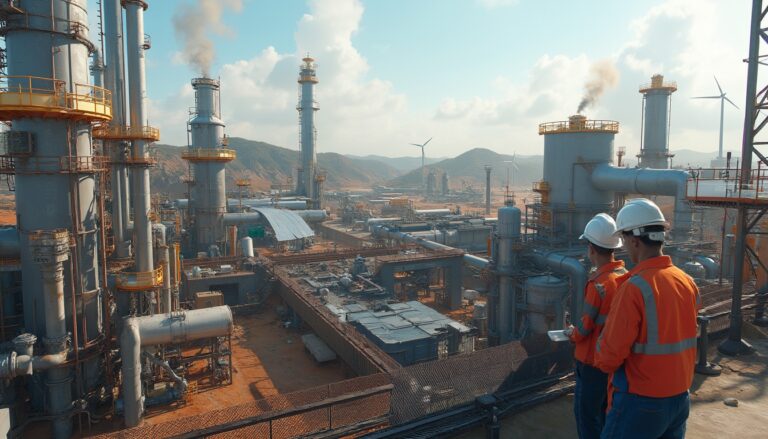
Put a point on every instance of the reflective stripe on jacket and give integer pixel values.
(598, 294)
(651, 331)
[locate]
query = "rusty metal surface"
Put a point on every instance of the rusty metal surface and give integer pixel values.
(274, 413)
(331, 255)
(716, 302)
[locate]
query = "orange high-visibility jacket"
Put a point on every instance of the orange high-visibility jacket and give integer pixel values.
(598, 294)
(649, 340)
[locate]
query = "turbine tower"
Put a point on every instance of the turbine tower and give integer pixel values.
(422, 145)
(720, 160)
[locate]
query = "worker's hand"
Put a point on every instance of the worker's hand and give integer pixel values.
(568, 331)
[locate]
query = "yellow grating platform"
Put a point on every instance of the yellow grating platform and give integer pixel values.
(31, 96)
(107, 132)
(579, 124)
(209, 155)
(139, 280)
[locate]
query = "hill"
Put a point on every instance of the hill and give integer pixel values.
(265, 164)
(470, 167)
(402, 164)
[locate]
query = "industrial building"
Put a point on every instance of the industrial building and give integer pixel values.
(357, 314)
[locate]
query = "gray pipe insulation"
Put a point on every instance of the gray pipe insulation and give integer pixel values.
(162, 329)
(383, 232)
(670, 182)
(568, 266)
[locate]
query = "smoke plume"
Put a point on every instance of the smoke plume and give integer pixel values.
(602, 76)
(193, 24)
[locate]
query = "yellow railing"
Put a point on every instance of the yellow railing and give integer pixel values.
(108, 132)
(209, 154)
(579, 126)
(32, 96)
(139, 280)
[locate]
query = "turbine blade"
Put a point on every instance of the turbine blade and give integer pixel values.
(706, 97)
(425, 143)
(731, 102)
(718, 84)
(416, 144)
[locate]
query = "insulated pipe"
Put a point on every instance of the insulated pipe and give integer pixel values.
(670, 182)
(115, 81)
(160, 230)
(181, 382)
(137, 89)
(162, 329)
(710, 266)
(469, 259)
(10, 246)
(567, 266)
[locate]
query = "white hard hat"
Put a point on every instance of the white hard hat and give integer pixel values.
(601, 231)
(637, 214)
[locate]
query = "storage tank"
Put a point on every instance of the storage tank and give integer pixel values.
(695, 270)
(571, 149)
(246, 246)
(544, 297)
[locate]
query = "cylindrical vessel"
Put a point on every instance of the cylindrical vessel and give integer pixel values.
(209, 192)
(544, 299)
(308, 135)
(657, 97)
(246, 247)
(570, 152)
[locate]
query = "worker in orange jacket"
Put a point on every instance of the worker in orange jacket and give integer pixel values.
(649, 341)
(590, 397)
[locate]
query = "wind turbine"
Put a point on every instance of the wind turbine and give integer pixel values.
(722, 98)
(422, 145)
(513, 166)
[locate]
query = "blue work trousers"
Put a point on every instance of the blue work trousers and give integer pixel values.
(641, 417)
(590, 400)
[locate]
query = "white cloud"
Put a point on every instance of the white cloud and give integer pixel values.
(687, 40)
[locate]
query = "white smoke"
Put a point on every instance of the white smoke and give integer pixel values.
(193, 24)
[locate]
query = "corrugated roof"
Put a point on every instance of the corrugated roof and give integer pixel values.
(287, 224)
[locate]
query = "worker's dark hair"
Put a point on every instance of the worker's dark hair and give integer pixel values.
(602, 251)
(645, 239)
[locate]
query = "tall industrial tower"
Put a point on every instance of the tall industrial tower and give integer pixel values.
(307, 106)
(208, 155)
(657, 100)
(49, 149)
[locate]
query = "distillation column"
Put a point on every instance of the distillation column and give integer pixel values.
(657, 101)
(487, 190)
(207, 155)
(50, 151)
(308, 135)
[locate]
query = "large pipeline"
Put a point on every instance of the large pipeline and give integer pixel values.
(383, 232)
(163, 329)
(568, 266)
(670, 182)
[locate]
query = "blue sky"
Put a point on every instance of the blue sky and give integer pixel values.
(471, 73)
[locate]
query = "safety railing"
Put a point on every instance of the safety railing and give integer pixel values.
(107, 132)
(723, 185)
(32, 96)
(209, 154)
(658, 85)
(580, 126)
(53, 165)
(139, 280)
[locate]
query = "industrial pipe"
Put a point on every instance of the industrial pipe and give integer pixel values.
(161, 329)
(383, 232)
(137, 89)
(10, 246)
(670, 182)
(567, 266)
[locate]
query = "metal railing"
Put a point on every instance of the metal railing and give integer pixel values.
(126, 133)
(209, 154)
(672, 85)
(723, 185)
(581, 126)
(48, 97)
(53, 165)
(139, 280)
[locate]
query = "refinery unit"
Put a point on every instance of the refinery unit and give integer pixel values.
(118, 312)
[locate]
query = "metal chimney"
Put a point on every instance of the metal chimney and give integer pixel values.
(657, 100)
(308, 134)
